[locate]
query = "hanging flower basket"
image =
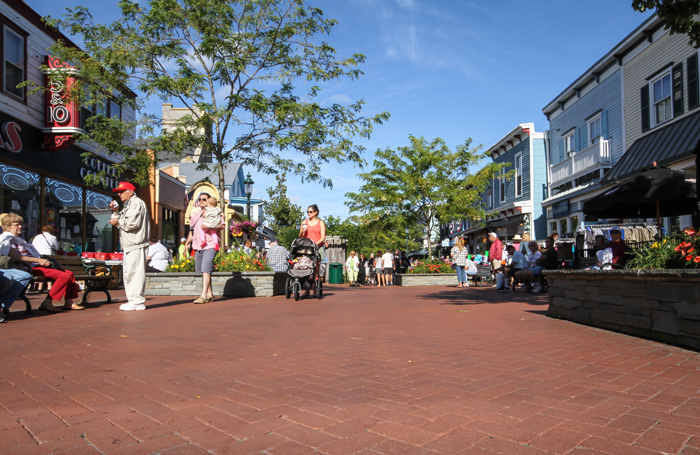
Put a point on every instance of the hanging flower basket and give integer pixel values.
(244, 227)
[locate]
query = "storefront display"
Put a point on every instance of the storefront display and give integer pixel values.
(20, 190)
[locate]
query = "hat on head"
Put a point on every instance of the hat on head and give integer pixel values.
(183, 239)
(615, 229)
(517, 237)
(123, 186)
(493, 234)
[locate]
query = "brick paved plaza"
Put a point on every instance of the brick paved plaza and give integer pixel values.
(372, 370)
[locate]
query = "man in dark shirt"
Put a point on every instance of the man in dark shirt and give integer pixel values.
(618, 247)
(397, 264)
(548, 260)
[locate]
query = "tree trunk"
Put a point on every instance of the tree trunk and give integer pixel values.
(223, 203)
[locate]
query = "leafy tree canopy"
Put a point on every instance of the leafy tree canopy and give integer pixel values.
(283, 213)
(234, 64)
(678, 15)
(426, 182)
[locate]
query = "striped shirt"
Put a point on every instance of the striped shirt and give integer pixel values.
(459, 257)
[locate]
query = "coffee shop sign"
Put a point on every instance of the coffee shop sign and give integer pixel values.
(95, 166)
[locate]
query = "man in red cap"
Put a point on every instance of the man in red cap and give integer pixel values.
(133, 224)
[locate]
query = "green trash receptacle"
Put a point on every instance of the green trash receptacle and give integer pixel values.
(335, 273)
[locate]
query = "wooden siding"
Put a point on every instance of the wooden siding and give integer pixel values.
(666, 49)
(606, 96)
(509, 157)
(539, 182)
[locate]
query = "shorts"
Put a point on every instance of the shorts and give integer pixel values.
(388, 271)
(204, 261)
(535, 270)
(322, 253)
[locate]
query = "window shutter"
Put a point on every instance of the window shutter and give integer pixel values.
(604, 125)
(693, 100)
(561, 149)
(646, 120)
(677, 78)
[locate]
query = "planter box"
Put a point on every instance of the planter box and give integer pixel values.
(662, 305)
(224, 284)
(426, 279)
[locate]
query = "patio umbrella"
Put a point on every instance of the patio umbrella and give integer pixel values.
(655, 193)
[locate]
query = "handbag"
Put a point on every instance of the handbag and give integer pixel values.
(53, 263)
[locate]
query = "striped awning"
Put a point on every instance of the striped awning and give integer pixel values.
(664, 146)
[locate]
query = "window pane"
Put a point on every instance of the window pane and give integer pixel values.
(14, 51)
(668, 108)
(98, 234)
(114, 110)
(101, 108)
(63, 203)
(553, 227)
(658, 92)
(563, 228)
(574, 223)
(13, 77)
(19, 193)
(667, 85)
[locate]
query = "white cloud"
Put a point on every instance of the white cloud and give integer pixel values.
(336, 99)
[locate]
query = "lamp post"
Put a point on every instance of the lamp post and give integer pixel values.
(406, 230)
(248, 185)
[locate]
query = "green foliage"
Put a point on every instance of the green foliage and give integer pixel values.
(286, 236)
(367, 235)
(185, 264)
(435, 266)
(284, 214)
(677, 252)
(239, 261)
(234, 64)
(678, 16)
(426, 183)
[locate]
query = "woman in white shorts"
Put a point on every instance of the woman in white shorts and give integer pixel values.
(379, 271)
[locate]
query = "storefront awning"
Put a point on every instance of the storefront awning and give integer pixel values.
(664, 146)
(517, 219)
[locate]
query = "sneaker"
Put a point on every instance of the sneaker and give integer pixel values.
(537, 288)
(130, 307)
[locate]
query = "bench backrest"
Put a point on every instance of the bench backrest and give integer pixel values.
(71, 263)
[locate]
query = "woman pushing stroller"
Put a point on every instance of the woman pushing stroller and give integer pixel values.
(314, 229)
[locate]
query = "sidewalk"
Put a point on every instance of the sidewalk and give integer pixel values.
(365, 370)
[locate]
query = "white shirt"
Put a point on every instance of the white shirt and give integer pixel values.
(378, 263)
(532, 260)
(388, 260)
(159, 256)
(44, 242)
(519, 260)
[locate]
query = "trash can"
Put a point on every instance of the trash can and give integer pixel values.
(335, 273)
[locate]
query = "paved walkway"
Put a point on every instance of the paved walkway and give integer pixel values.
(372, 370)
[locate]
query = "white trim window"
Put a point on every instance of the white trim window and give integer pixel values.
(518, 175)
(661, 98)
(489, 200)
(13, 66)
(502, 187)
(569, 146)
(595, 130)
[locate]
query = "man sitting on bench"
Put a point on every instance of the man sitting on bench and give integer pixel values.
(548, 260)
(518, 262)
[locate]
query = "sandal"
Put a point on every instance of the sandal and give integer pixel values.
(73, 306)
(201, 300)
(210, 299)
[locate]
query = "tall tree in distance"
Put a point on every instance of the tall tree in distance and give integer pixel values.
(678, 16)
(426, 182)
(285, 215)
(249, 71)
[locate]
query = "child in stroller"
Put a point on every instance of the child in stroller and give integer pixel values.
(303, 268)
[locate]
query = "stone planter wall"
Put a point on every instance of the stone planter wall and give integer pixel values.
(426, 279)
(224, 284)
(662, 305)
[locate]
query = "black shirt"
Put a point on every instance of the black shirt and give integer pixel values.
(550, 259)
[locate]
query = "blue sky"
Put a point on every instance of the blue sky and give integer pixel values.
(454, 69)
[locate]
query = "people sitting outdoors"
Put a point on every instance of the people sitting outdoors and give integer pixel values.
(546, 260)
(29, 260)
(518, 262)
(618, 247)
(277, 257)
(157, 256)
(12, 283)
(479, 259)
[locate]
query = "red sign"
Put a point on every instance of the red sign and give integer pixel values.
(62, 118)
(11, 141)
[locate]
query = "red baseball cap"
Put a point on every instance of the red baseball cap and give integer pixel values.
(123, 186)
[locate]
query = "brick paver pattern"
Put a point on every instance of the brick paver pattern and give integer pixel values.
(374, 370)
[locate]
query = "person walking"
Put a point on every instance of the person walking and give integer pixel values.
(315, 229)
(352, 265)
(362, 274)
(370, 270)
(459, 259)
(379, 270)
(205, 252)
(389, 266)
(133, 224)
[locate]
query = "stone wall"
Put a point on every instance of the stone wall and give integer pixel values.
(224, 284)
(426, 279)
(661, 305)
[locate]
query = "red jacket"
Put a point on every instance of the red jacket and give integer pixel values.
(496, 251)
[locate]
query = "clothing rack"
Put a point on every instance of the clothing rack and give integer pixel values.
(582, 227)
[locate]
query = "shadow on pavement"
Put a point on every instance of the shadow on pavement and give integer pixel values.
(489, 297)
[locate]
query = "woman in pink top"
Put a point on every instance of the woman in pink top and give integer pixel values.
(205, 247)
(314, 229)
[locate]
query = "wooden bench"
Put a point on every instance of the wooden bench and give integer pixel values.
(82, 272)
(483, 273)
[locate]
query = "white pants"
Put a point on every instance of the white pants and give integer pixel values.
(135, 276)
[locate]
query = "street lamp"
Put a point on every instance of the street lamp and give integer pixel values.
(406, 230)
(248, 185)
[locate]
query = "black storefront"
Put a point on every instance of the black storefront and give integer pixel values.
(47, 187)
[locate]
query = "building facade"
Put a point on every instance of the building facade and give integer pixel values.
(41, 169)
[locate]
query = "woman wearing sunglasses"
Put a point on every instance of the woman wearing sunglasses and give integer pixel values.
(205, 247)
(314, 229)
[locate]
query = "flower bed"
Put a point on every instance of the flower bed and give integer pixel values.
(680, 251)
(431, 267)
(235, 261)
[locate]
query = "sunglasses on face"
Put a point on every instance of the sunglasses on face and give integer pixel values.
(310, 211)
(203, 199)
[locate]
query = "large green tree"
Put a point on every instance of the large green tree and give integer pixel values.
(678, 16)
(284, 215)
(426, 182)
(250, 71)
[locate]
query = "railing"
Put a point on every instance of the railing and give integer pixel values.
(581, 162)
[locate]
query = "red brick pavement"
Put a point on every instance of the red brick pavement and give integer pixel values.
(371, 371)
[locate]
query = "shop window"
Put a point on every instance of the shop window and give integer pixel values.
(99, 234)
(14, 58)
(563, 227)
(574, 224)
(171, 228)
(20, 191)
(63, 204)
(552, 227)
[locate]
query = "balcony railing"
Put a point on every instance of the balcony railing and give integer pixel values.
(582, 162)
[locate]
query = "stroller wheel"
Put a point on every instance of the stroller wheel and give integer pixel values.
(296, 293)
(319, 289)
(288, 288)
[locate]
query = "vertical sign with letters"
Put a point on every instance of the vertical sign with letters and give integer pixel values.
(62, 117)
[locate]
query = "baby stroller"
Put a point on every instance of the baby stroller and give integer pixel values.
(303, 268)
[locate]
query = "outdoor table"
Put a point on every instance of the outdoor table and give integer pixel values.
(117, 269)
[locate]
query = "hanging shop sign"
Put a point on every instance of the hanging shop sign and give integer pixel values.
(62, 117)
(560, 209)
(11, 142)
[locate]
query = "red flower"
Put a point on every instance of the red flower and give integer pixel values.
(690, 250)
(689, 258)
(690, 231)
(697, 259)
